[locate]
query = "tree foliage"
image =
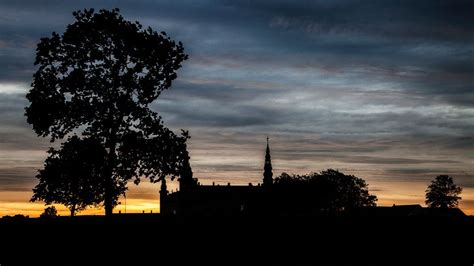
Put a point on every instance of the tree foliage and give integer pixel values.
(49, 212)
(73, 175)
(328, 191)
(443, 193)
(99, 78)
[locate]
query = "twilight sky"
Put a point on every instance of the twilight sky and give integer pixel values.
(379, 89)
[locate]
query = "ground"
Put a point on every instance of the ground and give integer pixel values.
(138, 239)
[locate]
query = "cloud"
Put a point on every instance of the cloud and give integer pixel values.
(17, 178)
(461, 178)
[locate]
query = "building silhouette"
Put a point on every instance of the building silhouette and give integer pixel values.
(194, 198)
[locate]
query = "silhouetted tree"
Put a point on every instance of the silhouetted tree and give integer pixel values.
(99, 79)
(345, 191)
(49, 212)
(443, 193)
(73, 175)
(327, 192)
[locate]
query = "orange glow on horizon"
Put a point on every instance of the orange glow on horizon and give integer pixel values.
(35, 209)
(145, 198)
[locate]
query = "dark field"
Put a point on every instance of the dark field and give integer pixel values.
(151, 239)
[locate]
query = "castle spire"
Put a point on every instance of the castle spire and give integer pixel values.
(163, 195)
(267, 173)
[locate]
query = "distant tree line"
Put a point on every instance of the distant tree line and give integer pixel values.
(332, 191)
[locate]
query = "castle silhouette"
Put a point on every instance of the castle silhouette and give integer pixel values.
(194, 198)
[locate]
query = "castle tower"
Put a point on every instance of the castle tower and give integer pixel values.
(163, 194)
(267, 169)
(186, 181)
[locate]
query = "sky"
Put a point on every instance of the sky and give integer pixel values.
(379, 89)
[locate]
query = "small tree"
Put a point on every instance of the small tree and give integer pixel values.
(49, 212)
(99, 79)
(443, 193)
(73, 175)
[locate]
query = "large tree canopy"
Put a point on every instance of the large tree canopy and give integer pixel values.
(443, 193)
(99, 78)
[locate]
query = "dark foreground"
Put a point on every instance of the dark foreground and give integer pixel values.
(151, 239)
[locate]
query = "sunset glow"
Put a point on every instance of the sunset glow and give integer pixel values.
(373, 90)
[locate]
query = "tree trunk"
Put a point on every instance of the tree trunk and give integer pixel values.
(73, 210)
(108, 193)
(108, 197)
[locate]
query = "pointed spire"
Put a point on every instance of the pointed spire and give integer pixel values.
(267, 169)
